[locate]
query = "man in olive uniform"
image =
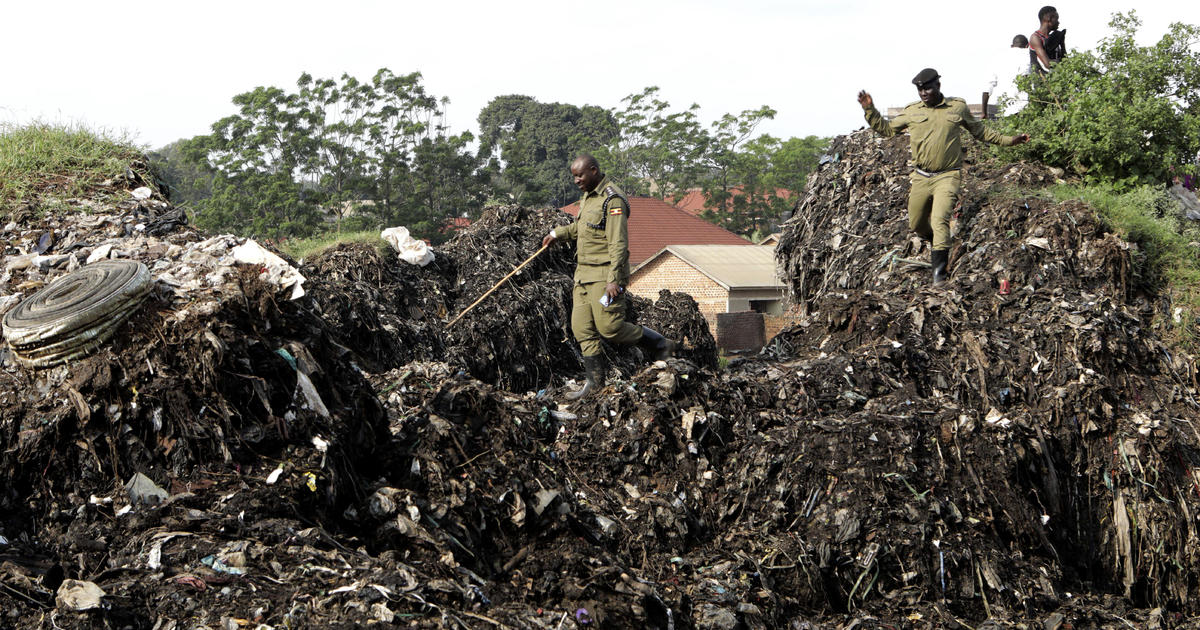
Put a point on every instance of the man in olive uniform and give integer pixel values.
(601, 234)
(933, 128)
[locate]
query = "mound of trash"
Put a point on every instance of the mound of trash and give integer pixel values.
(391, 312)
(268, 444)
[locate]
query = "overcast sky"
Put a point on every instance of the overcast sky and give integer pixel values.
(160, 71)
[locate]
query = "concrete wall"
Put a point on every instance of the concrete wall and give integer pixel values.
(669, 272)
(739, 299)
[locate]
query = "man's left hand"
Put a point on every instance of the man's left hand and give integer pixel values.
(612, 290)
(1021, 139)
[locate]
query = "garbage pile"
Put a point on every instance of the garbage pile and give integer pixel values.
(1015, 449)
(1021, 434)
(391, 313)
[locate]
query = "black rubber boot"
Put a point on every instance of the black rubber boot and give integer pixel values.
(939, 258)
(593, 370)
(656, 346)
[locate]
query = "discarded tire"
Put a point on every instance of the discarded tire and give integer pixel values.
(76, 313)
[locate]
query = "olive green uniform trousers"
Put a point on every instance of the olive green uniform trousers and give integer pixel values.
(931, 200)
(591, 321)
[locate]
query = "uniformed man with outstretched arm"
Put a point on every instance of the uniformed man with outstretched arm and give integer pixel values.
(601, 234)
(933, 128)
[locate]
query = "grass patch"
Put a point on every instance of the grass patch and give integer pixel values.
(1170, 244)
(300, 248)
(62, 160)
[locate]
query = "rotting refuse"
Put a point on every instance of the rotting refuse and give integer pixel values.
(901, 456)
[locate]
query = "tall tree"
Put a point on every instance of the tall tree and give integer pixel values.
(529, 145)
(658, 152)
(724, 159)
(187, 182)
(288, 160)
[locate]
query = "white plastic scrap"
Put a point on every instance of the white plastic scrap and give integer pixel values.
(277, 270)
(274, 476)
(79, 595)
(141, 193)
(995, 418)
(100, 253)
(411, 250)
(142, 489)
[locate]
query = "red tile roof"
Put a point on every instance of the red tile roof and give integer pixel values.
(456, 224)
(655, 224)
(694, 199)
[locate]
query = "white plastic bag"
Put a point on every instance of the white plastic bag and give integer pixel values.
(277, 269)
(411, 250)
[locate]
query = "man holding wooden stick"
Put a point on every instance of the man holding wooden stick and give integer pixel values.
(598, 302)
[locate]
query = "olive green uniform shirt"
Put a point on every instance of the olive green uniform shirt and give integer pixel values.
(934, 132)
(601, 237)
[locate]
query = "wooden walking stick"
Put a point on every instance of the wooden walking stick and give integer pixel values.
(497, 285)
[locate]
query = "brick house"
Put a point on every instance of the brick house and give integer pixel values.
(654, 224)
(721, 278)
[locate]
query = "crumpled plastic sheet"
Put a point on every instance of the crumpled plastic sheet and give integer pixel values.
(278, 271)
(411, 250)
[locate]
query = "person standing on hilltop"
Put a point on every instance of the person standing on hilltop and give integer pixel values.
(598, 302)
(1047, 45)
(933, 128)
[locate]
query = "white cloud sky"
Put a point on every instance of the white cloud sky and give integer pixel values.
(161, 71)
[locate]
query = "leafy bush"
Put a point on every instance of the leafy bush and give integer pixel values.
(1124, 114)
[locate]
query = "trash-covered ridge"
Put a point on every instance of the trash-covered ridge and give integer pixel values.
(903, 456)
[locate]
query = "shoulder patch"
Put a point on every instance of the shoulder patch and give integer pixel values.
(616, 209)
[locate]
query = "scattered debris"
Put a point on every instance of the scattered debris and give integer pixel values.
(901, 456)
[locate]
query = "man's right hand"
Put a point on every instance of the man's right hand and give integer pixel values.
(864, 99)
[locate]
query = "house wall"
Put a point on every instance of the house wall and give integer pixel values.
(669, 272)
(739, 299)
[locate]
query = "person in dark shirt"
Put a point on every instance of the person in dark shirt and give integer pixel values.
(1048, 44)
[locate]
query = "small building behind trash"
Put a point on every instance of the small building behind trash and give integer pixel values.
(771, 240)
(722, 279)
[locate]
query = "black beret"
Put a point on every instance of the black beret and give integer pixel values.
(925, 76)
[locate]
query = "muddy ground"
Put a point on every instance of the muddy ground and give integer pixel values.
(902, 456)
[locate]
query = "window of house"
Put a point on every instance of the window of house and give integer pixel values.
(768, 307)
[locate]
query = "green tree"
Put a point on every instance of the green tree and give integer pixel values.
(794, 160)
(1124, 114)
(763, 179)
(529, 145)
(729, 167)
(187, 182)
(658, 151)
(288, 161)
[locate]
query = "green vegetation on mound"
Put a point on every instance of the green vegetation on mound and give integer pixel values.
(1170, 247)
(300, 248)
(62, 159)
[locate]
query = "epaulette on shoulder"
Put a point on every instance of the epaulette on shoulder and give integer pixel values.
(912, 104)
(956, 98)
